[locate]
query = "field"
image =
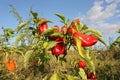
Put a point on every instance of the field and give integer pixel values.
(106, 62)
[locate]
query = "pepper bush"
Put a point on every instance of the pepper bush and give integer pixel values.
(50, 47)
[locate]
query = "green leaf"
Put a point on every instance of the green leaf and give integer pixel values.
(45, 44)
(1, 34)
(70, 77)
(80, 26)
(87, 58)
(20, 52)
(57, 34)
(100, 39)
(51, 44)
(1, 48)
(77, 25)
(21, 25)
(60, 16)
(10, 33)
(34, 14)
(82, 74)
(19, 38)
(62, 21)
(43, 21)
(27, 57)
(116, 42)
(84, 27)
(118, 31)
(86, 52)
(29, 28)
(48, 31)
(7, 56)
(35, 17)
(55, 76)
(90, 64)
(93, 31)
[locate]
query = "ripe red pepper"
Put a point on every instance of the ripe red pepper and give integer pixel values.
(64, 29)
(36, 62)
(87, 40)
(57, 29)
(42, 27)
(77, 20)
(72, 27)
(91, 76)
(69, 30)
(58, 49)
(82, 64)
(59, 39)
(10, 65)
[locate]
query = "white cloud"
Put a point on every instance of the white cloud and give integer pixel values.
(95, 12)
(99, 12)
(99, 16)
(107, 28)
(109, 1)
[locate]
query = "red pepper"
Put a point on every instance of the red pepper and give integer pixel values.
(64, 29)
(59, 39)
(69, 30)
(72, 27)
(36, 62)
(82, 64)
(57, 29)
(87, 40)
(10, 65)
(77, 20)
(42, 27)
(58, 49)
(91, 76)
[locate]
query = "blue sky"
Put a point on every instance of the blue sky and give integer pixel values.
(103, 15)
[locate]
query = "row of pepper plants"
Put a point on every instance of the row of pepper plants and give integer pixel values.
(54, 43)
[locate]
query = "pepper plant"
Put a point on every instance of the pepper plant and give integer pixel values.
(54, 42)
(4, 42)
